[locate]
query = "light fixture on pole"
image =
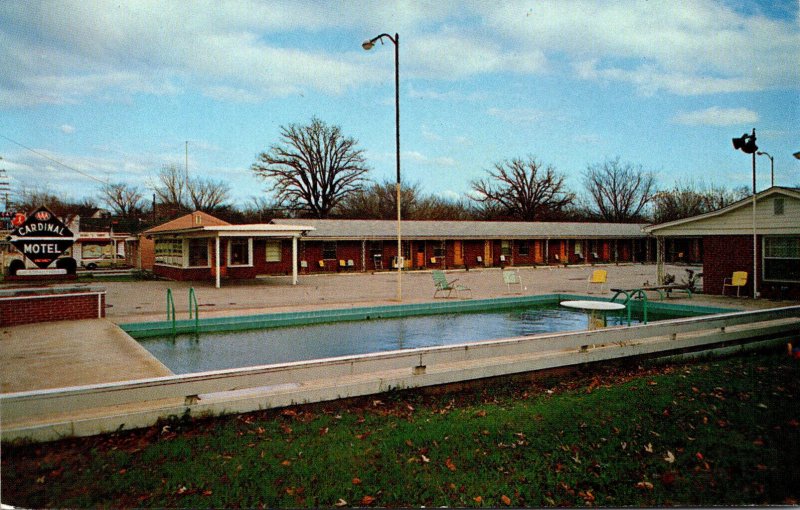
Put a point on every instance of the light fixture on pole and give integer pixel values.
(747, 144)
(771, 166)
(368, 45)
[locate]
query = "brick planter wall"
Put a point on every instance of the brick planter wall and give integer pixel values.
(32, 305)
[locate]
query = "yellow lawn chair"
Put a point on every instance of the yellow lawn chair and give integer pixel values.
(598, 277)
(738, 280)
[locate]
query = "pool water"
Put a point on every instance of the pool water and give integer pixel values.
(213, 351)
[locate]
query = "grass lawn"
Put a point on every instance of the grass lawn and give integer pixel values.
(712, 432)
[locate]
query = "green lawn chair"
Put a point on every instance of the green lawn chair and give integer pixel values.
(511, 277)
(442, 285)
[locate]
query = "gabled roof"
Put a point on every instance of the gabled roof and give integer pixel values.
(188, 221)
(793, 193)
(438, 230)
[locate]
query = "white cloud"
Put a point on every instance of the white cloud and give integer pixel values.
(716, 116)
(67, 129)
(248, 50)
(422, 159)
(518, 115)
(697, 47)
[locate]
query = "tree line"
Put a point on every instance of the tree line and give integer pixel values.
(315, 171)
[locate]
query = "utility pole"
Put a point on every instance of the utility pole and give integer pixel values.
(5, 188)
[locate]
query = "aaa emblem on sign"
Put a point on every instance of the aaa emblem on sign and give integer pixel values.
(42, 237)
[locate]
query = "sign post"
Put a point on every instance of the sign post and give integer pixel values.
(42, 237)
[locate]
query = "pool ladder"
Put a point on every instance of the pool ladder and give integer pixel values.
(634, 294)
(194, 310)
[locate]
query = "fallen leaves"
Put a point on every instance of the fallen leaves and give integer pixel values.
(450, 465)
(506, 500)
(670, 458)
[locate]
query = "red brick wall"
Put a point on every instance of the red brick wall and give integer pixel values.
(722, 256)
(32, 309)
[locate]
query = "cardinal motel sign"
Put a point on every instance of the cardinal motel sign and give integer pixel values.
(42, 237)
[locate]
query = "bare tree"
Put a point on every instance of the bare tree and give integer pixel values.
(313, 168)
(207, 195)
(124, 199)
(30, 199)
(617, 191)
(170, 187)
(689, 198)
(524, 190)
(379, 201)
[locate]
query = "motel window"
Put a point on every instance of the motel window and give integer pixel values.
(240, 252)
(198, 253)
(273, 251)
(524, 248)
(505, 248)
(329, 250)
(439, 250)
(169, 251)
(782, 259)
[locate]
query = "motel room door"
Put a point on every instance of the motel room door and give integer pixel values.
(458, 253)
(488, 261)
(420, 254)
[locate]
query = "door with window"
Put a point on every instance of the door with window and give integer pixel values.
(488, 260)
(458, 253)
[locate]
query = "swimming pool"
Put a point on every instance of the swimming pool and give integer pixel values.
(220, 350)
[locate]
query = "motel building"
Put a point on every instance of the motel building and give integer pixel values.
(727, 237)
(199, 246)
(371, 245)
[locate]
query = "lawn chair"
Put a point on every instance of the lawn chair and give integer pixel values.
(442, 285)
(598, 277)
(512, 278)
(738, 280)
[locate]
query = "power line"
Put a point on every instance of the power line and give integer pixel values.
(54, 160)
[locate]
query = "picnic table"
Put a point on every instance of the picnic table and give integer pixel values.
(661, 289)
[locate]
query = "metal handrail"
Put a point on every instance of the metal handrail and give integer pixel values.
(196, 308)
(171, 310)
(634, 293)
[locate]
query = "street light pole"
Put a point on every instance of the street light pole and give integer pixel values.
(368, 45)
(771, 166)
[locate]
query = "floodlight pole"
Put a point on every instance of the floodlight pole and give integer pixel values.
(368, 45)
(747, 144)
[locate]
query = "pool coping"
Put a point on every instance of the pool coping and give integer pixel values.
(141, 330)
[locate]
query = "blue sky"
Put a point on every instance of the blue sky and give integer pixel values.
(114, 90)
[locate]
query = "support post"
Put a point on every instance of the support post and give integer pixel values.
(216, 260)
(294, 260)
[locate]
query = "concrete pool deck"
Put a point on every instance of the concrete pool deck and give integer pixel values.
(146, 301)
(59, 354)
(71, 353)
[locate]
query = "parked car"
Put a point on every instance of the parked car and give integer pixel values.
(102, 262)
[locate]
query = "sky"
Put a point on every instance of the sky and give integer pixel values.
(95, 92)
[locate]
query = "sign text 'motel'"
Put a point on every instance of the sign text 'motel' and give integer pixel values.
(42, 237)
